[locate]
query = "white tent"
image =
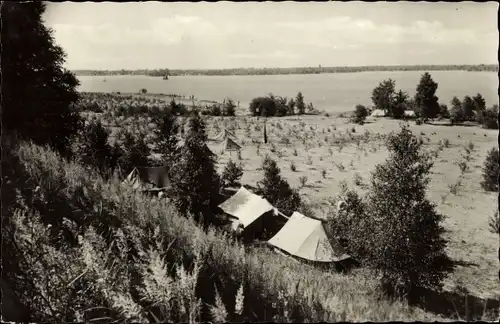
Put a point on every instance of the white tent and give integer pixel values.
(378, 113)
(246, 206)
(409, 113)
(306, 238)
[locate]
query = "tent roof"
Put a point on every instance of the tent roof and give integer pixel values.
(223, 135)
(229, 144)
(246, 206)
(149, 178)
(306, 238)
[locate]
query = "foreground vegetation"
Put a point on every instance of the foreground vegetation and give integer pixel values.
(138, 259)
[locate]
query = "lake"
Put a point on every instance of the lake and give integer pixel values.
(336, 92)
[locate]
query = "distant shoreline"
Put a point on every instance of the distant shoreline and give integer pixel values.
(286, 71)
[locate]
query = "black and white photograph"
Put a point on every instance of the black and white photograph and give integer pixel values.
(229, 162)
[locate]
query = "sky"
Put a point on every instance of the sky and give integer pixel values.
(219, 35)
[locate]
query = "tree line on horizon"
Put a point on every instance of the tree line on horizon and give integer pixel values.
(294, 70)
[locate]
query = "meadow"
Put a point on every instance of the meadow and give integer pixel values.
(332, 93)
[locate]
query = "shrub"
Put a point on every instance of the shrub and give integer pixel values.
(494, 222)
(490, 171)
(349, 225)
(303, 181)
(358, 180)
(229, 108)
(323, 173)
(293, 167)
(360, 114)
(397, 204)
(488, 117)
(232, 174)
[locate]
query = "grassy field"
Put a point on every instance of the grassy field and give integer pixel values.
(320, 143)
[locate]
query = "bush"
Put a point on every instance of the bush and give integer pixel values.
(229, 108)
(360, 114)
(490, 171)
(232, 174)
(488, 118)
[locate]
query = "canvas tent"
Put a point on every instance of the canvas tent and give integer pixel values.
(306, 238)
(223, 135)
(378, 113)
(149, 178)
(251, 215)
(246, 206)
(229, 145)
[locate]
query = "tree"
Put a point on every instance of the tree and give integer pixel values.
(491, 171)
(291, 107)
(488, 117)
(263, 106)
(399, 106)
(468, 107)
(37, 92)
(229, 108)
(425, 97)
(276, 190)
(383, 95)
(195, 177)
(406, 240)
(479, 103)
(281, 106)
(165, 135)
(135, 153)
(360, 114)
(93, 147)
(232, 174)
(299, 102)
(456, 113)
(310, 108)
(443, 111)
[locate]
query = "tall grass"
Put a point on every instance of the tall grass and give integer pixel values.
(172, 258)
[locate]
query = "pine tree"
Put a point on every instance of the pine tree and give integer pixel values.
(491, 171)
(229, 108)
(299, 103)
(135, 153)
(456, 113)
(406, 240)
(425, 97)
(276, 190)
(93, 147)
(468, 107)
(479, 102)
(37, 92)
(165, 135)
(399, 106)
(195, 177)
(232, 174)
